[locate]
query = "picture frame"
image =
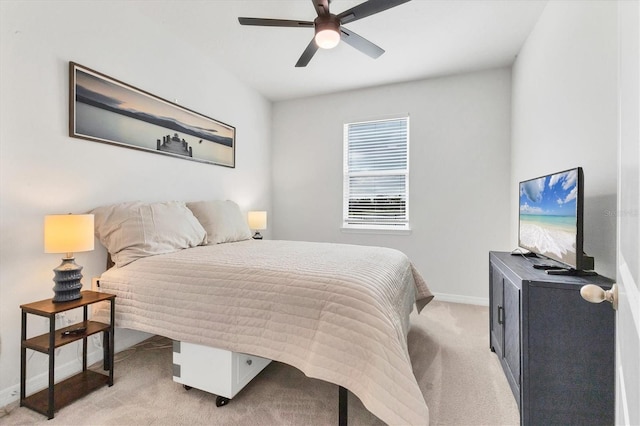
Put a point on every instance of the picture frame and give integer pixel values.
(104, 109)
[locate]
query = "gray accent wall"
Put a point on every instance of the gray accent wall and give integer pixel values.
(459, 173)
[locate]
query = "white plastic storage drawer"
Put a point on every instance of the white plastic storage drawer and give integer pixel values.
(214, 370)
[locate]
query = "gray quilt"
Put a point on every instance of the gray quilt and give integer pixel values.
(337, 312)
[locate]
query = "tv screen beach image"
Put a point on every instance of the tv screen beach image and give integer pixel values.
(548, 216)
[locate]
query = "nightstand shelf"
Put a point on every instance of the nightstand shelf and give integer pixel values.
(41, 343)
(66, 392)
(56, 396)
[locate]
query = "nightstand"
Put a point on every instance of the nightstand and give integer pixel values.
(58, 395)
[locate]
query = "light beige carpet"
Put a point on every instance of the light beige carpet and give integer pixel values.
(460, 378)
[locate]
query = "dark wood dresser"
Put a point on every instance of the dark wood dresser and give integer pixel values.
(556, 349)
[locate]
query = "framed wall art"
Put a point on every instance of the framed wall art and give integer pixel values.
(103, 109)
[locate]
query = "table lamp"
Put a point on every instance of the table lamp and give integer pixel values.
(68, 233)
(257, 221)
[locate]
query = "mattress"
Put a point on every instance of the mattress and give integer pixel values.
(337, 312)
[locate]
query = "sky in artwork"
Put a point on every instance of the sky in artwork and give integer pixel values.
(123, 97)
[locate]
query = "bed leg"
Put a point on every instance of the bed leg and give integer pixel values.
(342, 406)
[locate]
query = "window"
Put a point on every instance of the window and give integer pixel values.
(376, 174)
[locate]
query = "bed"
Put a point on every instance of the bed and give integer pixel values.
(337, 312)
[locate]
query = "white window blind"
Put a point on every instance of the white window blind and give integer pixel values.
(376, 174)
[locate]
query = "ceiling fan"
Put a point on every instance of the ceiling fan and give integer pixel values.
(329, 29)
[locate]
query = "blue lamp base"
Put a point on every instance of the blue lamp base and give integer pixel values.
(67, 277)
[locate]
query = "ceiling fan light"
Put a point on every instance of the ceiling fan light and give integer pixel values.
(327, 39)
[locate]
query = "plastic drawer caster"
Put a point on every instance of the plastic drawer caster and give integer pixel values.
(221, 401)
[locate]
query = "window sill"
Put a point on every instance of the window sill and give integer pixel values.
(386, 231)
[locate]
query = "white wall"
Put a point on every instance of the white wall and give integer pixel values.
(565, 112)
(43, 171)
(459, 173)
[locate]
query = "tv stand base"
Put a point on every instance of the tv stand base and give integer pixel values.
(572, 272)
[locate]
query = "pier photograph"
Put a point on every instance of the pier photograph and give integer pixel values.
(106, 110)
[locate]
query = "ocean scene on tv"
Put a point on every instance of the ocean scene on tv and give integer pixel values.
(548, 216)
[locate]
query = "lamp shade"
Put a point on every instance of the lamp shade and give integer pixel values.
(68, 233)
(257, 220)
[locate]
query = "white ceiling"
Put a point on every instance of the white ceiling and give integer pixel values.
(422, 39)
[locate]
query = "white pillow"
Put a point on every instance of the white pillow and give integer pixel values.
(222, 220)
(134, 230)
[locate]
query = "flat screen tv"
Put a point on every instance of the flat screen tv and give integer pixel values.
(551, 219)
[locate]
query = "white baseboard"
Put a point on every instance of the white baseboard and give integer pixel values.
(125, 339)
(467, 300)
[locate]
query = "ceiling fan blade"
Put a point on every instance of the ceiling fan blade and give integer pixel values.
(307, 54)
(321, 6)
(360, 43)
(367, 8)
(265, 22)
